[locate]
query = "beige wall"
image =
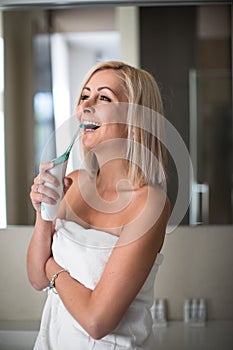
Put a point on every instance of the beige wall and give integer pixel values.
(198, 263)
(18, 300)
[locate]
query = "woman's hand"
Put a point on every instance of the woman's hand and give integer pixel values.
(40, 265)
(41, 193)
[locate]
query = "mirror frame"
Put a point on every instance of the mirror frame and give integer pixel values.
(12, 4)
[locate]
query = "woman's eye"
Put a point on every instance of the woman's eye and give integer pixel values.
(105, 98)
(84, 97)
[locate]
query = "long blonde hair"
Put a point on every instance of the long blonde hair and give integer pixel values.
(146, 152)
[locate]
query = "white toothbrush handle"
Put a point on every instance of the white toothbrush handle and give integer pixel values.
(49, 211)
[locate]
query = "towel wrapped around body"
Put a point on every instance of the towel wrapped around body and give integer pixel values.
(85, 252)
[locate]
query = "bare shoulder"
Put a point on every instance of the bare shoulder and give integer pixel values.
(79, 177)
(159, 201)
(150, 214)
(152, 202)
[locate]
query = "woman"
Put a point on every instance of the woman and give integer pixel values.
(101, 254)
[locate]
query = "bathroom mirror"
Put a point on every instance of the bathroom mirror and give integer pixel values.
(186, 46)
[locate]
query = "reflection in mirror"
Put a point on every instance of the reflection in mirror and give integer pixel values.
(211, 146)
(186, 40)
(47, 53)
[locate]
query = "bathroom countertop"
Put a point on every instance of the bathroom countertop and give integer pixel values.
(215, 335)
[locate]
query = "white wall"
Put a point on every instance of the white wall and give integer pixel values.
(198, 262)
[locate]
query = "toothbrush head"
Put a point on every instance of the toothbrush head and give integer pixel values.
(81, 126)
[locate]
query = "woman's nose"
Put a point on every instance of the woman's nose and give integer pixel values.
(88, 106)
(88, 110)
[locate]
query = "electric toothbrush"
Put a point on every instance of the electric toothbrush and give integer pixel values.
(49, 211)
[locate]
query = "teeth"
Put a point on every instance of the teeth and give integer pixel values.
(91, 125)
(88, 122)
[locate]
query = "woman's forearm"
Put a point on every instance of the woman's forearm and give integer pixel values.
(39, 251)
(78, 300)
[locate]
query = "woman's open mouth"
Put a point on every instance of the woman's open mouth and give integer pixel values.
(90, 126)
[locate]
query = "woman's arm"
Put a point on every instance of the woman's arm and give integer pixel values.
(39, 249)
(99, 311)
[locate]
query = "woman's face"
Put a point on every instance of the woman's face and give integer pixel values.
(102, 109)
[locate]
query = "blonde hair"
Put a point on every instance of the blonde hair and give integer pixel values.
(146, 153)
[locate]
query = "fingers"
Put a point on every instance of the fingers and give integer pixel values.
(45, 176)
(35, 197)
(45, 191)
(36, 188)
(46, 166)
(41, 192)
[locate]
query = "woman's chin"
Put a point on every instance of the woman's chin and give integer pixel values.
(88, 142)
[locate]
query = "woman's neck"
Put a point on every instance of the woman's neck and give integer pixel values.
(113, 174)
